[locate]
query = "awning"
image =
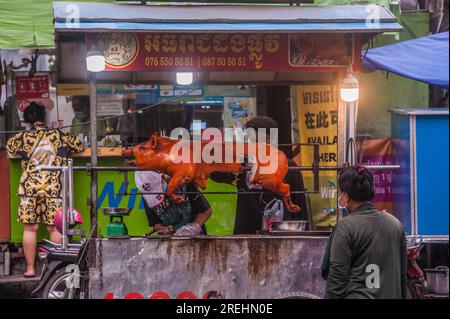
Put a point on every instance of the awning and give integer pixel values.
(95, 17)
(28, 24)
(423, 59)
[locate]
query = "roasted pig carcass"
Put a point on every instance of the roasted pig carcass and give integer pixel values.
(166, 156)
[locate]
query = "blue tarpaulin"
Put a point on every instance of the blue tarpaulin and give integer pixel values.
(423, 59)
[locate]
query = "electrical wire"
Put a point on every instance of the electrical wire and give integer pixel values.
(138, 111)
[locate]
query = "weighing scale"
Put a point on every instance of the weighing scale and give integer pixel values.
(116, 227)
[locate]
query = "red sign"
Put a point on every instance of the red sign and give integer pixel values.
(158, 295)
(379, 152)
(22, 104)
(32, 87)
(222, 51)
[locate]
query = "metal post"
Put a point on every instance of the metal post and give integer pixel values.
(11, 93)
(94, 174)
(89, 168)
(316, 167)
(350, 131)
(7, 264)
(64, 238)
(70, 182)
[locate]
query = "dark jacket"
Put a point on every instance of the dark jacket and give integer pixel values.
(363, 244)
(250, 208)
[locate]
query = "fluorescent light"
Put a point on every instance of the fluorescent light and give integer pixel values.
(185, 78)
(95, 61)
(349, 88)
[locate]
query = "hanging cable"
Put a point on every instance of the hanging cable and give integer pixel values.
(111, 117)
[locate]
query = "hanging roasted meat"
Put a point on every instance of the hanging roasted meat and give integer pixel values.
(188, 161)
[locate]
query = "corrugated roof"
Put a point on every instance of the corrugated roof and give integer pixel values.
(126, 17)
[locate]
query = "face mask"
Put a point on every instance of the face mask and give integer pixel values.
(343, 208)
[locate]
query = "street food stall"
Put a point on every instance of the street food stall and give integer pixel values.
(153, 68)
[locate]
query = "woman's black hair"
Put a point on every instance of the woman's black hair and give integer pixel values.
(357, 182)
(261, 122)
(33, 113)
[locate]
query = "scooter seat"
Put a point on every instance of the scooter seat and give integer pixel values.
(50, 244)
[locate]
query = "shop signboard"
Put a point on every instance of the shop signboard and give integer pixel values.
(109, 105)
(76, 89)
(32, 89)
(72, 89)
(171, 91)
(317, 107)
(35, 87)
(222, 51)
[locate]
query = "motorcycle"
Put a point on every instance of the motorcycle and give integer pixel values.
(416, 285)
(64, 275)
(65, 268)
(65, 271)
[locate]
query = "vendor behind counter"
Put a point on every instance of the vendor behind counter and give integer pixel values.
(81, 109)
(250, 208)
(165, 216)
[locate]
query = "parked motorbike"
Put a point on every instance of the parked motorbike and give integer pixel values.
(65, 269)
(64, 274)
(416, 283)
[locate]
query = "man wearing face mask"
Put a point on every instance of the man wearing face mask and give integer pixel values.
(187, 218)
(81, 109)
(366, 254)
(251, 208)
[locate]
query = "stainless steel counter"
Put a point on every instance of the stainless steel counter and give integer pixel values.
(258, 266)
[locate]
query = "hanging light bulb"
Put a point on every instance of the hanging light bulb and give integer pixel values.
(185, 78)
(95, 61)
(349, 88)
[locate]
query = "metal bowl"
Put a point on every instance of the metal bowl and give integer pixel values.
(437, 280)
(119, 211)
(289, 225)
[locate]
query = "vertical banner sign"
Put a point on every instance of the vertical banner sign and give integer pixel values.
(317, 107)
(379, 152)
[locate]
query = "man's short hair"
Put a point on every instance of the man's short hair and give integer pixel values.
(261, 122)
(357, 183)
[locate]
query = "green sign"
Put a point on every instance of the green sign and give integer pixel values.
(110, 190)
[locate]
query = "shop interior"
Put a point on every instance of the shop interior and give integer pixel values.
(162, 108)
